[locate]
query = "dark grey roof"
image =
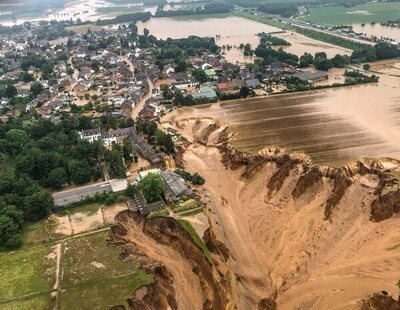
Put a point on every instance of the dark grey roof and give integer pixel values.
(310, 76)
(144, 149)
(253, 82)
(175, 183)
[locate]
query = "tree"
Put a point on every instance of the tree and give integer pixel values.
(130, 190)
(127, 149)
(57, 178)
(244, 91)
(305, 60)
(38, 205)
(146, 32)
(168, 144)
(322, 64)
(16, 139)
(36, 89)
(200, 75)
(366, 67)
(181, 65)
(10, 91)
(9, 232)
(115, 163)
(26, 77)
(340, 61)
(151, 186)
(80, 172)
(321, 55)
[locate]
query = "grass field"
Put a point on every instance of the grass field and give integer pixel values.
(91, 275)
(196, 238)
(363, 13)
(81, 29)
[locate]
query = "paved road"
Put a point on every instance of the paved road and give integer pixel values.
(70, 196)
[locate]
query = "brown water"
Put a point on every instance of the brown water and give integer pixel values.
(333, 126)
(234, 31)
(379, 31)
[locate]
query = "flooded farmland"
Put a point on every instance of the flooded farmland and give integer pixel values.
(234, 31)
(333, 126)
(379, 31)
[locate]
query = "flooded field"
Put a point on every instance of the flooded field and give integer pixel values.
(379, 31)
(234, 31)
(333, 126)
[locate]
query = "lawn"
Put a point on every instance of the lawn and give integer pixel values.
(25, 272)
(363, 13)
(93, 276)
(81, 29)
(92, 269)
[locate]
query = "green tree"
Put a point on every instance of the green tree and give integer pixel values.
(168, 144)
(57, 178)
(305, 60)
(244, 91)
(9, 233)
(10, 91)
(38, 205)
(322, 64)
(130, 190)
(146, 32)
(36, 89)
(16, 139)
(115, 163)
(151, 186)
(200, 75)
(340, 61)
(80, 172)
(366, 67)
(26, 77)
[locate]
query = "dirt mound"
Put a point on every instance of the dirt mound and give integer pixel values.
(380, 301)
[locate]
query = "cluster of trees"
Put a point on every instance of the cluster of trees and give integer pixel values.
(51, 155)
(39, 62)
(283, 9)
(195, 178)
(212, 8)
(270, 55)
(176, 51)
(21, 200)
(272, 40)
(156, 136)
(356, 77)
(127, 18)
(379, 51)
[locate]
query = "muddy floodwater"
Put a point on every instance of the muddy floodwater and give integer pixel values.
(333, 126)
(379, 31)
(234, 31)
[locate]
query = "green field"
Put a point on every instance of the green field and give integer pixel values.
(363, 13)
(91, 275)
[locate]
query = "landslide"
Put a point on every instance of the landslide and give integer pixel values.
(183, 278)
(295, 235)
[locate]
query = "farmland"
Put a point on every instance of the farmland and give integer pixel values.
(363, 13)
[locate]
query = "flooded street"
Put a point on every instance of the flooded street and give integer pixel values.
(333, 126)
(234, 31)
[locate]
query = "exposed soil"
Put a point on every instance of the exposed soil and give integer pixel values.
(307, 233)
